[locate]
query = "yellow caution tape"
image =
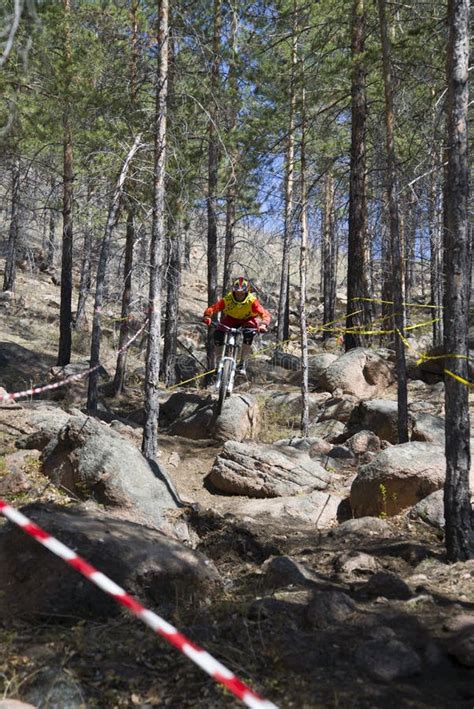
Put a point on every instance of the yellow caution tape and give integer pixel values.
(391, 302)
(458, 378)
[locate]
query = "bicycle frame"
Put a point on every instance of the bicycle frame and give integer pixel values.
(232, 343)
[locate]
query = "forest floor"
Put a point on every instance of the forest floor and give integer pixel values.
(261, 625)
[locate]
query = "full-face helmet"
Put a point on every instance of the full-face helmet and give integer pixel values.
(241, 285)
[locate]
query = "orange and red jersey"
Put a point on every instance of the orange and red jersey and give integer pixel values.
(239, 310)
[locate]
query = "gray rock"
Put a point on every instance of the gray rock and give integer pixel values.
(196, 426)
(355, 565)
(386, 584)
(462, 646)
(379, 416)
(34, 582)
(360, 371)
(338, 408)
(363, 442)
(280, 571)
(239, 419)
(88, 459)
(365, 526)
(428, 428)
(181, 405)
(259, 470)
(48, 420)
(386, 660)
(327, 430)
(329, 607)
(397, 478)
(317, 365)
(430, 509)
(319, 509)
(55, 689)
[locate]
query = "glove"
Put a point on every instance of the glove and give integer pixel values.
(207, 321)
(263, 328)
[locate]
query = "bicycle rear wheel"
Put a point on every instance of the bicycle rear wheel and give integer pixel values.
(225, 378)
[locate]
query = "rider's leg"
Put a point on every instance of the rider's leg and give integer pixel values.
(218, 344)
(246, 351)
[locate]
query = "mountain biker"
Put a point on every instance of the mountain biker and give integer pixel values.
(241, 308)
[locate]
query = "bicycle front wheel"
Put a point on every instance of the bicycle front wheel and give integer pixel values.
(225, 378)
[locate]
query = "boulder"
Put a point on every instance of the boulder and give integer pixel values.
(363, 442)
(34, 582)
(329, 431)
(317, 365)
(462, 646)
(387, 659)
(88, 459)
(355, 565)
(361, 372)
(197, 425)
(430, 509)
(327, 608)
(397, 478)
(189, 366)
(181, 405)
(239, 419)
(338, 408)
(428, 428)
(47, 420)
(319, 509)
(379, 416)
(259, 470)
(285, 407)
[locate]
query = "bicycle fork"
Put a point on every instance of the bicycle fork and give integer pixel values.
(230, 385)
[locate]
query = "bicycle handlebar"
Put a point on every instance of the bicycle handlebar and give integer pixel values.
(234, 329)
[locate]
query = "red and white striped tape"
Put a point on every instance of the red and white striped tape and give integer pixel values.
(202, 658)
(73, 378)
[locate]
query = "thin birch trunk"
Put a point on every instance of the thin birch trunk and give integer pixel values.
(151, 404)
(101, 276)
(303, 273)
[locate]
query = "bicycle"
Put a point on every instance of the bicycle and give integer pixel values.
(228, 362)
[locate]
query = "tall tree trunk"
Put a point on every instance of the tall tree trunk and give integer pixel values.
(435, 234)
(172, 297)
(10, 262)
(233, 152)
(101, 276)
(65, 314)
(459, 529)
(399, 319)
(213, 169)
(303, 273)
(387, 271)
(283, 301)
(85, 282)
(357, 266)
(150, 429)
(120, 367)
(328, 265)
(51, 250)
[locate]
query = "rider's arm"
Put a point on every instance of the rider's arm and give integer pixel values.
(220, 305)
(259, 310)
